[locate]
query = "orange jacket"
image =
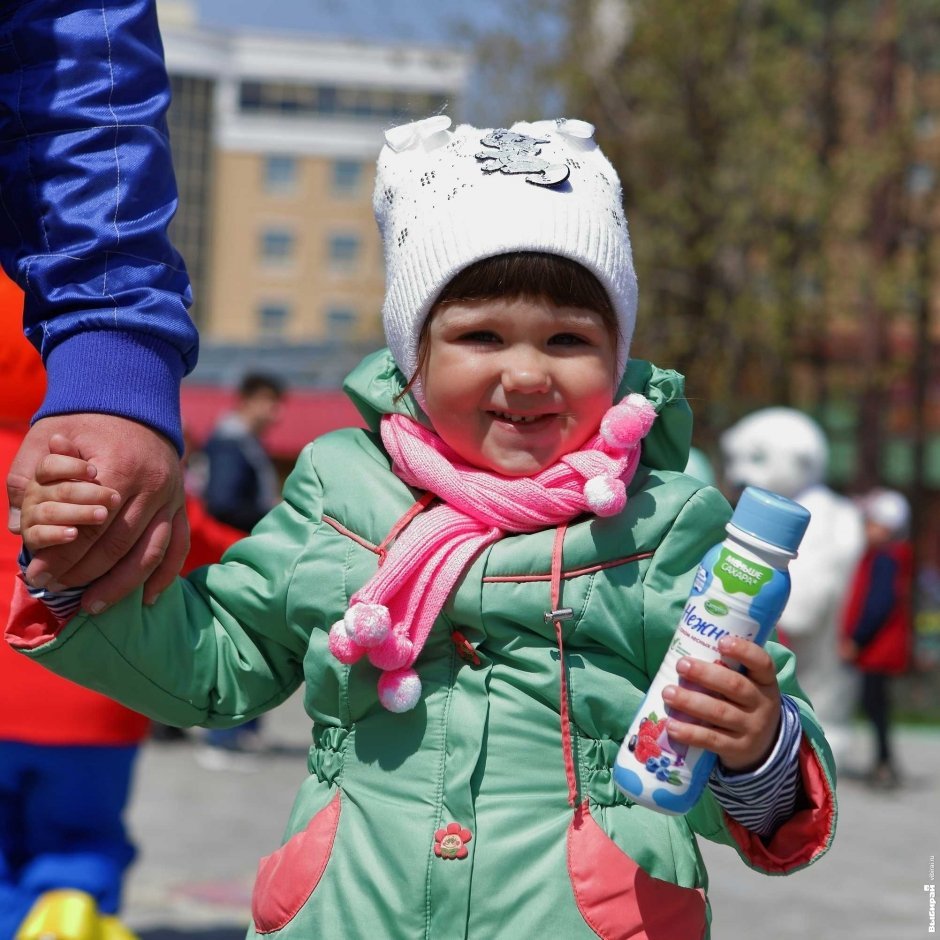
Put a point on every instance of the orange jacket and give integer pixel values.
(37, 707)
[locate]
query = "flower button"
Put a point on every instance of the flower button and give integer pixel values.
(465, 648)
(451, 842)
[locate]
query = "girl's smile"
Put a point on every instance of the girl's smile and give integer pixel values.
(514, 384)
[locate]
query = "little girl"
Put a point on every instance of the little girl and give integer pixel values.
(475, 591)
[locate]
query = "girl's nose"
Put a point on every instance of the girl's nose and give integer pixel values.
(525, 371)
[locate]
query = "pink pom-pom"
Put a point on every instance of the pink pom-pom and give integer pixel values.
(605, 495)
(342, 645)
(628, 422)
(399, 691)
(368, 624)
(394, 652)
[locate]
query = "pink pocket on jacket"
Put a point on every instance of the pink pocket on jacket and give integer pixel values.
(288, 877)
(618, 899)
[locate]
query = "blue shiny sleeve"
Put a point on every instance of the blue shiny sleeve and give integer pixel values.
(86, 194)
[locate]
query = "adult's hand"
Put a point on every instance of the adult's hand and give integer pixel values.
(147, 538)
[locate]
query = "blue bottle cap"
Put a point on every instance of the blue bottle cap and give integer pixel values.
(771, 518)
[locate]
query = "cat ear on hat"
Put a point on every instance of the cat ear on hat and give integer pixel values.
(577, 134)
(429, 133)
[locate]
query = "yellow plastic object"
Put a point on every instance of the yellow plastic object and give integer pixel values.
(113, 929)
(68, 914)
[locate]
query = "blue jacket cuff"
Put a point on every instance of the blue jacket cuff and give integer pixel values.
(131, 375)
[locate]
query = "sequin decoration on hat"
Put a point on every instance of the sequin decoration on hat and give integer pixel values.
(519, 153)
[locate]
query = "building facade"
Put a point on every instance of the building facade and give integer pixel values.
(274, 141)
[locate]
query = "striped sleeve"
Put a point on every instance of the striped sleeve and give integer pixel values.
(766, 797)
(63, 604)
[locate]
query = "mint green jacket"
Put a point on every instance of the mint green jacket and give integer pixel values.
(366, 851)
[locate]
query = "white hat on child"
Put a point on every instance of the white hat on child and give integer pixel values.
(445, 199)
(887, 508)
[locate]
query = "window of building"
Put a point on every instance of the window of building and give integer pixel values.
(273, 318)
(280, 173)
(277, 246)
(347, 177)
(250, 96)
(302, 99)
(340, 322)
(190, 123)
(344, 251)
(326, 99)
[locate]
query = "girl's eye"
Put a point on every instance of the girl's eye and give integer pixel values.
(479, 336)
(567, 339)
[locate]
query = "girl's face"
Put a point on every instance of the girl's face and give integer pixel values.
(512, 385)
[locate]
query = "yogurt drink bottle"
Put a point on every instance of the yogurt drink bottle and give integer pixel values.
(740, 589)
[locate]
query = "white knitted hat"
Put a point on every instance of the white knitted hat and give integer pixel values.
(445, 199)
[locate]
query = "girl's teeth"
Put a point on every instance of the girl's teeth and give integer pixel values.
(516, 419)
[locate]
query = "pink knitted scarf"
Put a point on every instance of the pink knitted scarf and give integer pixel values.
(390, 616)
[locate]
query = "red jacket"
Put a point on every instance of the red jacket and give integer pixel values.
(208, 538)
(889, 649)
(36, 706)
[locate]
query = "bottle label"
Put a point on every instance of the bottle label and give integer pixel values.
(667, 764)
(724, 602)
(740, 575)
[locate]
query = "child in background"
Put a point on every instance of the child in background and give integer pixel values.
(475, 591)
(877, 632)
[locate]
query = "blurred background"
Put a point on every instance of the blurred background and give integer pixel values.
(780, 166)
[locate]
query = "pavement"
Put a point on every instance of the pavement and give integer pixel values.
(201, 833)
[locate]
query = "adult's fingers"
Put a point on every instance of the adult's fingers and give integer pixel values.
(62, 444)
(134, 567)
(173, 560)
(128, 526)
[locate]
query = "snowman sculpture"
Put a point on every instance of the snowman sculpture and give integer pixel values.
(785, 451)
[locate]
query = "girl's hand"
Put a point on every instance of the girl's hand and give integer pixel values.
(62, 497)
(740, 712)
